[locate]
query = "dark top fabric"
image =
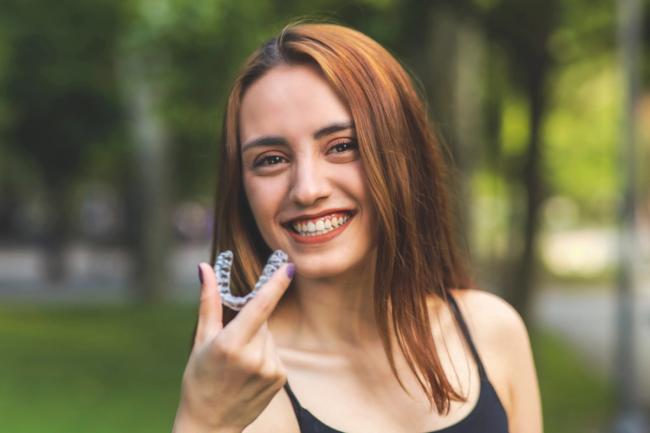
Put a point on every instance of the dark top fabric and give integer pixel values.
(487, 416)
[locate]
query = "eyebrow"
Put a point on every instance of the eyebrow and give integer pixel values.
(277, 140)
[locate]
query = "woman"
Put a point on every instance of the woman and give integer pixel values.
(328, 155)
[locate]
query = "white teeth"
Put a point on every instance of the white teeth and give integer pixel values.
(320, 226)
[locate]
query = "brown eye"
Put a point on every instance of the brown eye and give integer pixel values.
(268, 160)
(344, 146)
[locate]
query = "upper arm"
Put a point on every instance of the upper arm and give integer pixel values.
(504, 346)
(526, 409)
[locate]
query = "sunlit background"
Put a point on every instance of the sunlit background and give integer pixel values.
(110, 112)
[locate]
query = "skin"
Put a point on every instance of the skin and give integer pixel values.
(322, 333)
(311, 176)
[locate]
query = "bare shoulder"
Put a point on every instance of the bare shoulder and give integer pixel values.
(497, 329)
(502, 340)
(491, 317)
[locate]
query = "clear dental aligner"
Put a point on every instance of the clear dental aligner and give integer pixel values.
(223, 267)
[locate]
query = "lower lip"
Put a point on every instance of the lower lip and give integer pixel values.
(320, 238)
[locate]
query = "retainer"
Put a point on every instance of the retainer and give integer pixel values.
(222, 270)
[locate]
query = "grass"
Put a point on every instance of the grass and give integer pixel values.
(118, 369)
(108, 369)
(574, 398)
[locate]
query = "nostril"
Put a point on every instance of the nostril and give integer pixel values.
(308, 184)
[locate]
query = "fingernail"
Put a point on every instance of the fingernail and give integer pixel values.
(200, 274)
(291, 270)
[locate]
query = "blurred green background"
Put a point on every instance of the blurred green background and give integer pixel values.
(110, 112)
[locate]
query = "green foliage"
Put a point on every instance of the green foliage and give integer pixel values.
(204, 44)
(63, 109)
(59, 82)
(60, 102)
(514, 126)
(581, 132)
(582, 154)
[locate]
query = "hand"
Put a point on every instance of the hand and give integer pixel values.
(233, 372)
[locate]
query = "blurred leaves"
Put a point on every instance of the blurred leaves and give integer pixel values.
(59, 82)
(63, 114)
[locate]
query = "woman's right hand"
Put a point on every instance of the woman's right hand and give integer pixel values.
(233, 372)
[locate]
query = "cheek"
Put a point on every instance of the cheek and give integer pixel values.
(361, 189)
(264, 198)
(358, 184)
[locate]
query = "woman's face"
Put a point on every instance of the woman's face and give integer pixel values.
(302, 173)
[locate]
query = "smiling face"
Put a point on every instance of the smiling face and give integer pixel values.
(302, 173)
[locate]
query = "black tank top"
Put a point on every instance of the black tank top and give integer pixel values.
(487, 416)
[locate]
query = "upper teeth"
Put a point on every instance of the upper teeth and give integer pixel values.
(320, 225)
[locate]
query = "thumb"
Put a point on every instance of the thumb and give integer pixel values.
(210, 310)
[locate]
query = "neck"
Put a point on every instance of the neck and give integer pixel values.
(326, 314)
(337, 313)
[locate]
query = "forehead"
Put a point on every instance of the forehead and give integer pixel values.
(291, 101)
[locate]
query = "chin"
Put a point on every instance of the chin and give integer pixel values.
(326, 266)
(315, 271)
(352, 253)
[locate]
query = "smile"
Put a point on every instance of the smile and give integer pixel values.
(321, 228)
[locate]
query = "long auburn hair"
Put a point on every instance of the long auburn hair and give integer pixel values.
(417, 254)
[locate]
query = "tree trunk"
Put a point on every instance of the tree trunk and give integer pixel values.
(522, 284)
(56, 236)
(446, 52)
(148, 201)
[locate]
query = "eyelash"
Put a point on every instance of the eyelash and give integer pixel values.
(262, 161)
(352, 145)
(270, 160)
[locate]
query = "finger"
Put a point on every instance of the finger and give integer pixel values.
(210, 310)
(260, 337)
(272, 356)
(249, 320)
(271, 366)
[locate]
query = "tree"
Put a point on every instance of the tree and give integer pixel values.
(60, 86)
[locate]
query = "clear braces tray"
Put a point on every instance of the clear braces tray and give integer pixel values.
(222, 270)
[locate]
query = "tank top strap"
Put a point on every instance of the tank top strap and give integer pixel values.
(468, 337)
(297, 408)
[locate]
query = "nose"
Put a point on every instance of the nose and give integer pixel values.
(309, 183)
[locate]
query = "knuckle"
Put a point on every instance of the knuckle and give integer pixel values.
(224, 349)
(250, 366)
(271, 373)
(281, 377)
(266, 375)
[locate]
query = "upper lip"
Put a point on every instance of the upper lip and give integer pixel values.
(316, 215)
